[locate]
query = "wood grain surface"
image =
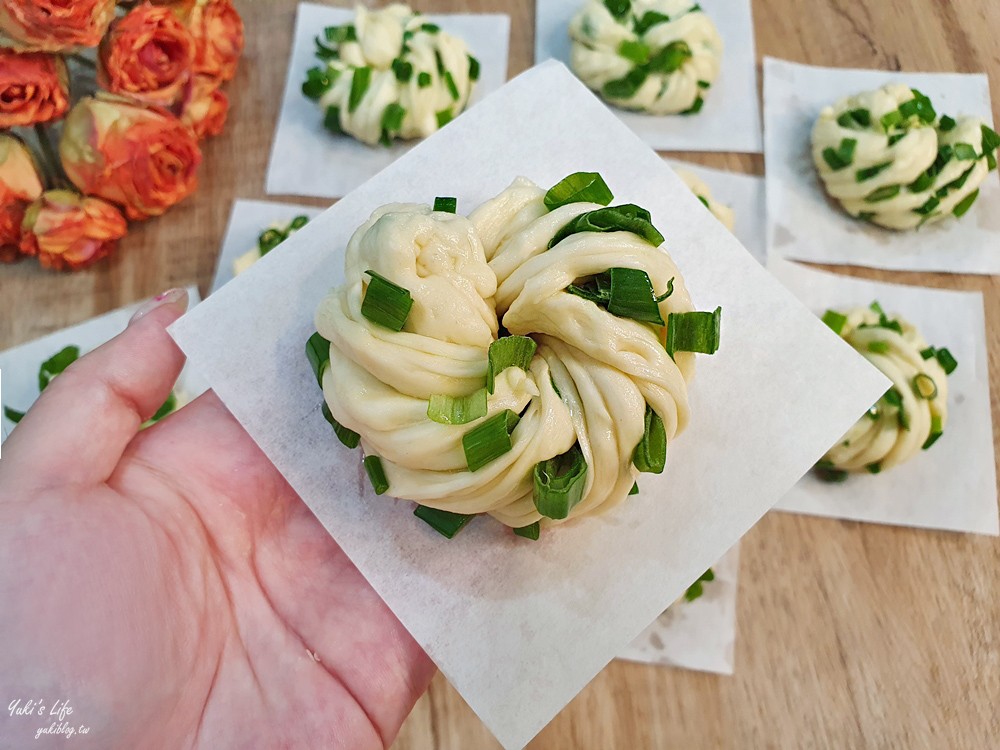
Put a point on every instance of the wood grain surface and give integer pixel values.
(850, 635)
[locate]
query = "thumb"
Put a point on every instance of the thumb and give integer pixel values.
(78, 429)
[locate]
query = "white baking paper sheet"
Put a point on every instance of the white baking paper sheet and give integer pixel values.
(306, 159)
(744, 193)
(803, 223)
(20, 364)
(699, 635)
(952, 485)
(246, 221)
(519, 628)
(730, 119)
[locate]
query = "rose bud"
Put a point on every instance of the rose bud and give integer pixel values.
(218, 38)
(53, 25)
(70, 231)
(146, 56)
(204, 107)
(34, 88)
(19, 185)
(142, 158)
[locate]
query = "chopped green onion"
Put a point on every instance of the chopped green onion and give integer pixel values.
(376, 474)
(403, 70)
(842, 156)
(489, 440)
(935, 433)
(618, 8)
(704, 201)
(650, 455)
(924, 181)
(704, 85)
(964, 151)
(891, 119)
(392, 117)
(439, 61)
(430, 28)
(866, 215)
(474, 68)
(423, 80)
(834, 320)
(270, 239)
(325, 53)
(694, 108)
(359, 85)
(318, 353)
(920, 106)
(386, 303)
(341, 34)
(457, 409)
(878, 347)
(447, 205)
(694, 332)
(165, 408)
(632, 296)
(883, 193)
(869, 172)
(896, 138)
(855, 118)
(671, 58)
(874, 468)
(559, 483)
(298, 222)
(509, 351)
(579, 187)
(626, 88)
(946, 123)
(649, 19)
(637, 52)
(924, 386)
(927, 206)
(531, 531)
(827, 472)
(991, 161)
(635, 489)
(13, 415)
(947, 362)
(449, 81)
(875, 307)
(965, 204)
(893, 398)
(331, 120)
(624, 218)
(928, 352)
(444, 117)
(991, 141)
(444, 522)
(318, 82)
(345, 435)
(56, 364)
(696, 589)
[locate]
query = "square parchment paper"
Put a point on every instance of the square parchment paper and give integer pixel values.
(744, 193)
(19, 365)
(306, 158)
(698, 635)
(805, 224)
(519, 628)
(246, 221)
(730, 119)
(952, 485)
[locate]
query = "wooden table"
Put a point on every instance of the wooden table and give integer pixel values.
(850, 635)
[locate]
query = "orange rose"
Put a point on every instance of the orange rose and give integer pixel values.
(218, 38)
(142, 158)
(53, 25)
(180, 8)
(205, 107)
(19, 185)
(69, 231)
(146, 56)
(34, 88)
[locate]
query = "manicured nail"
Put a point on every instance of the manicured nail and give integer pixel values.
(177, 298)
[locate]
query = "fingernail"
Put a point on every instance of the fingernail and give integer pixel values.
(177, 298)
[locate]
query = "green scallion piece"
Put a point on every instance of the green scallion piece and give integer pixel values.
(946, 123)
(318, 82)
(509, 351)
(694, 108)
(635, 489)
(532, 531)
(444, 522)
(56, 365)
(696, 589)
(896, 138)
(376, 474)
(444, 117)
(928, 352)
(386, 303)
(345, 435)
(649, 19)
(13, 415)
(855, 118)
(920, 106)
(618, 8)
(962, 207)
(297, 223)
(449, 81)
(392, 118)
(924, 181)
(446, 205)
(474, 68)
(650, 455)
(842, 156)
(489, 440)
(946, 360)
(883, 193)
(341, 34)
(359, 85)
(891, 119)
(827, 472)
(924, 386)
(423, 80)
(964, 151)
(704, 85)
(935, 433)
(457, 409)
(868, 173)
(624, 218)
(874, 468)
(331, 120)
(694, 332)
(878, 347)
(671, 58)
(579, 187)
(637, 52)
(632, 296)
(835, 321)
(270, 239)
(991, 141)
(430, 28)
(318, 354)
(927, 206)
(559, 483)
(626, 88)
(403, 70)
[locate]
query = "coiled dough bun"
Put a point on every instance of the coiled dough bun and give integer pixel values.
(588, 383)
(655, 56)
(391, 74)
(912, 414)
(887, 157)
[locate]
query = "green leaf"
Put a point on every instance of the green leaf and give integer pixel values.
(559, 483)
(964, 151)
(891, 119)
(341, 34)
(444, 522)
(56, 365)
(579, 187)
(946, 123)
(991, 141)
(635, 489)
(318, 82)
(936, 432)
(650, 455)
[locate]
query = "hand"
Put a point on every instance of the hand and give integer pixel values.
(171, 585)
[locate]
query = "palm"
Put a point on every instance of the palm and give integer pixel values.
(193, 598)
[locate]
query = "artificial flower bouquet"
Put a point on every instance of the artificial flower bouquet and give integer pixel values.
(116, 129)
